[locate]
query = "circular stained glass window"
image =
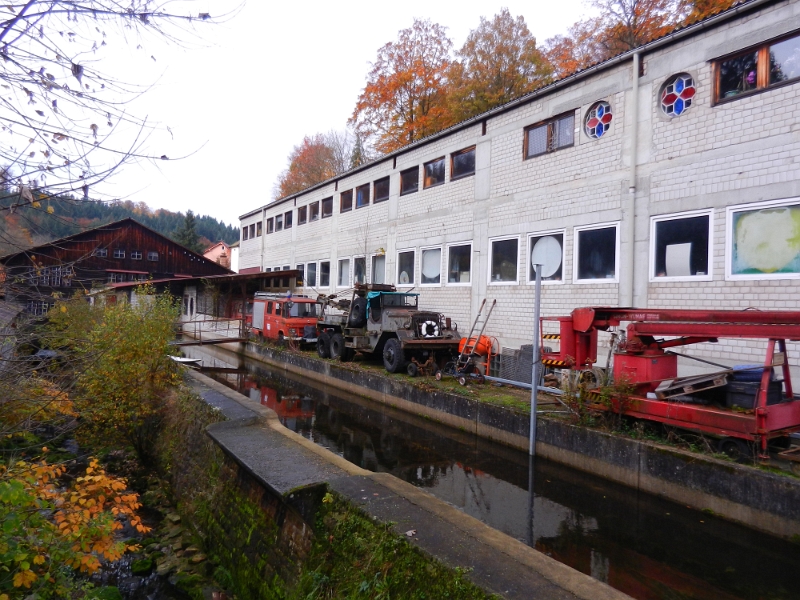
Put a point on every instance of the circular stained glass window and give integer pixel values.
(676, 97)
(598, 120)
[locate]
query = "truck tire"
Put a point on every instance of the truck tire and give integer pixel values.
(324, 345)
(358, 313)
(393, 355)
(338, 349)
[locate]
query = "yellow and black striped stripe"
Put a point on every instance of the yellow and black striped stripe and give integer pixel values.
(551, 336)
(548, 362)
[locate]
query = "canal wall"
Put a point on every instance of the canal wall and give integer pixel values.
(753, 497)
(277, 509)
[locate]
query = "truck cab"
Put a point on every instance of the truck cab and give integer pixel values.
(284, 317)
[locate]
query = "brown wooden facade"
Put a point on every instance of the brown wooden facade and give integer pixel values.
(119, 252)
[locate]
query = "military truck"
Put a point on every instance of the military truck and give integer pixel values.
(380, 321)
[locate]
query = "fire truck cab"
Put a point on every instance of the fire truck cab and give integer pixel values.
(284, 317)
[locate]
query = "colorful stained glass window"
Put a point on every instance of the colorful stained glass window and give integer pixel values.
(677, 95)
(598, 120)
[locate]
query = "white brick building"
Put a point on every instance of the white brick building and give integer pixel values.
(689, 200)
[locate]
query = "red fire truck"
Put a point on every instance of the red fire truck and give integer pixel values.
(284, 317)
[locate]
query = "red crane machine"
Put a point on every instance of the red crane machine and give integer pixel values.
(643, 361)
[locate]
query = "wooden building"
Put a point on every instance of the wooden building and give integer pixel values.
(124, 251)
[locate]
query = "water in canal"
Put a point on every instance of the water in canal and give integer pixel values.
(644, 546)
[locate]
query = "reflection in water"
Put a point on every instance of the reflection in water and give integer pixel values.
(644, 546)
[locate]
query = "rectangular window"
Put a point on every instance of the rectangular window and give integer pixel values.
(287, 220)
(346, 201)
(301, 215)
(459, 264)
(434, 173)
(504, 260)
(311, 275)
(136, 255)
(381, 189)
(244, 233)
(596, 250)
(258, 229)
(769, 64)
(405, 267)
(360, 269)
(379, 268)
(409, 181)
(679, 247)
(152, 256)
(546, 249)
(313, 211)
(550, 136)
(327, 207)
(362, 195)
(325, 274)
(343, 273)
(278, 222)
(252, 231)
(119, 253)
(101, 252)
(431, 266)
(68, 274)
(270, 225)
(301, 275)
(763, 241)
(462, 163)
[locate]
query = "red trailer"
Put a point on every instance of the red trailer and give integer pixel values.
(701, 403)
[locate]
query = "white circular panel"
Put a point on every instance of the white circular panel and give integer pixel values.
(547, 252)
(403, 277)
(431, 264)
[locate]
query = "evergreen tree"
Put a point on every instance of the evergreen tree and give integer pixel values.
(187, 234)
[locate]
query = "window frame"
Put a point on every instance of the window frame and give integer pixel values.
(404, 192)
(371, 266)
(762, 69)
(529, 249)
(729, 211)
(411, 283)
(339, 271)
(313, 211)
(575, 255)
(245, 233)
(472, 149)
(353, 260)
(654, 220)
(346, 194)
(136, 255)
(388, 180)
(287, 219)
(119, 254)
(300, 281)
(319, 273)
(421, 252)
(307, 271)
(549, 124)
(447, 264)
(502, 238)
(302, 215)
(270, 225)
(425, 185)
(100, 252)
(360, 188)
(258, 229)
(323, 214)
(278, 223)
(151, 254)
(252, 231)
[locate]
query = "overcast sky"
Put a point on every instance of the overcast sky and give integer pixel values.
(274, 73)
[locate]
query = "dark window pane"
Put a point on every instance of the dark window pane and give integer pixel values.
(362, 195)
(301, 215)
(327, 207)
(564, 132)
(346, 201)
(360, 270)
(682, 247)
(258, 228)
(463, 163)
(324, 274)
(279, 223)
(737, 75)
(313, 211)
(381, 189)
(504, 260)
(405, 268)
(409, 181)
(459, 264)
(537, 141)
(287, 220)
(597, 253)
(434, 173)
(311, 277)
(784, 60)
(270, 227)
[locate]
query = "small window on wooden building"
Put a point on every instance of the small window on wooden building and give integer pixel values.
(119, 253)
(136, 255)
(152, 256)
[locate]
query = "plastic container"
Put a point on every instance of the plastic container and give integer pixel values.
(748, 372)
(743, 393)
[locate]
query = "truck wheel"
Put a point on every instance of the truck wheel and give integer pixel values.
(392, 355)
(358, 313)
(412, 370)
(338, 349)
(324, 345)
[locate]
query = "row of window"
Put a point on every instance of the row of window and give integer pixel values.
(761, 241)
(120, 253)
(123, 277)
(50, 276)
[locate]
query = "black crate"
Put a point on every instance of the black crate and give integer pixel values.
(743, 393)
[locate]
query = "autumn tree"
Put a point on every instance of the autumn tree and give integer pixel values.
(579, 49)
(310, 163)
(498, 62)
(405, 97)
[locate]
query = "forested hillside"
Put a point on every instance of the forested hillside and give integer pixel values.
(41, 222)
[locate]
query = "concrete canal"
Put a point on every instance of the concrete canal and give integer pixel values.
(642, 545)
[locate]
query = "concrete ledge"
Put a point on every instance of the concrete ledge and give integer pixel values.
(746, 495)
(288, 465)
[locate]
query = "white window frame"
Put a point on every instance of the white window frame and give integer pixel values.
(446, 278)
(316, 274)
(729, 276)
(529, 249)
(411, 283)
(371, 273)
(319, 274)
(119, 254)
(501, 238)
(136, 255)
(674, 217)
(353, 269)
(575, 236)
(339, 260)
(423, 249)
